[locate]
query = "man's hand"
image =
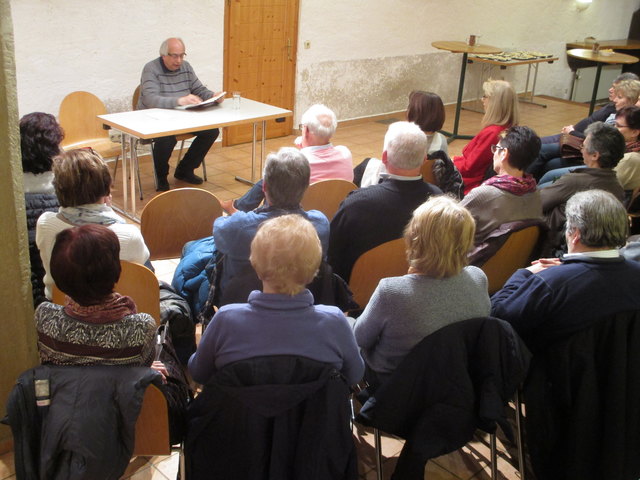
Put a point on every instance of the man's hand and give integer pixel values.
(189, 100)
(568, 129)
(220, 100)
(542, 264)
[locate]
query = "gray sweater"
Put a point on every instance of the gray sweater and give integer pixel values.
(404, 310)
(491, 207)
(161, 87)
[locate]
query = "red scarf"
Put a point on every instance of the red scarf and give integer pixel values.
(515, 185)
(114, 308)
(632, 146)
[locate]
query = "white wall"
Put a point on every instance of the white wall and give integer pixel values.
(67, 45)
(365, 55)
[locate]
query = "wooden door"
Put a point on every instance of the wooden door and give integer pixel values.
(260, 59)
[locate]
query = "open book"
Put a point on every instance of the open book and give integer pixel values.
(205, 104)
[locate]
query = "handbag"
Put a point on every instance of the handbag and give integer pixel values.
(570, 146)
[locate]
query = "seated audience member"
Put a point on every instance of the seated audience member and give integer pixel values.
(317, 126)
(602, 150)
(628, 169)
(286, 178)
(625, 95)
(439, 288)
(511, 194)
(500, 104)
(599, 115)
(280, 320)
(83, 186)
(371, 216)
(553, 299)
(40, 137)
(426, 110)
(97, 326)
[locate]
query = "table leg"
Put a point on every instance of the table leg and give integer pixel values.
(454, 135)
(595, 89)
(253, 160)
(533, 87)
(132, 172)
(125, 163)
(263, 145)
(484, 68)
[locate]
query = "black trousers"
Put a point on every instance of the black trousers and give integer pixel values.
(163, 147)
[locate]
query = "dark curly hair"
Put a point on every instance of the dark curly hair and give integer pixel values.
(40, 137)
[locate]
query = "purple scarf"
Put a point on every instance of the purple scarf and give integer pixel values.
(515, 185)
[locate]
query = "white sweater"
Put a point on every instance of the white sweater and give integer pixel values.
(132, 246)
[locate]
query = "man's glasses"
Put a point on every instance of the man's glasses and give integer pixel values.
(497, 148)
(177, 56)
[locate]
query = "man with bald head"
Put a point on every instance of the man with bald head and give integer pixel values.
(167, 82)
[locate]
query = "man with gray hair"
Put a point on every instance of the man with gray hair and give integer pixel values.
(167, 82)
(371, 216)
(317, 126)
(553, 299)
(286, 178)
(601, 151)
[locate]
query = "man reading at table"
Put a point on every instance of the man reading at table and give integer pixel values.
(167, 82)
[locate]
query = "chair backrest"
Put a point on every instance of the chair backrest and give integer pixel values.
(514, 254)
(135, 98)
(176, 217)
(152, 427)
(386, 260)
(326, 195)
(78, 117)
(460, 376)
(595, 388)
(427, 172)
(137, 282)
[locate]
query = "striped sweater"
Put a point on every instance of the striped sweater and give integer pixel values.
(161, 87)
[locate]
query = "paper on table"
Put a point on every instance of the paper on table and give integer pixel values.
(204, 104)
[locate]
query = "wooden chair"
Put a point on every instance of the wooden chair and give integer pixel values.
(326, 195)
(386, 260)
(152, 428)
(82, 128)
(137, 282)
(427, 172)
(514, 254)
(176, 217)
(633, 211)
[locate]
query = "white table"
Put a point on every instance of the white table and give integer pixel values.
(157, 122)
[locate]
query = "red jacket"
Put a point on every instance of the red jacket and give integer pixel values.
(477, 157)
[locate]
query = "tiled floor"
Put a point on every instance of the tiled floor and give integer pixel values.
(365, 140)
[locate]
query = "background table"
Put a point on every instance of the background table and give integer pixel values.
(465, 49)
(600, 59)
(156, 122)
(535, 62)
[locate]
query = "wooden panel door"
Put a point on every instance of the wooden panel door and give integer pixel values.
(259, 59)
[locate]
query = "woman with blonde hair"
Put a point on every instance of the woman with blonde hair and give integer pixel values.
(281, 319)
(439, 288)
(500, 103)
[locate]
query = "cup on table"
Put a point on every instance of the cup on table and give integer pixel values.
(472, 40)
(236, 100)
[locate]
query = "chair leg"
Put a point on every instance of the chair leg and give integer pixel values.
(180, 152)
(204, 169)
(494, 457)
(378, 446)
(520, 434)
